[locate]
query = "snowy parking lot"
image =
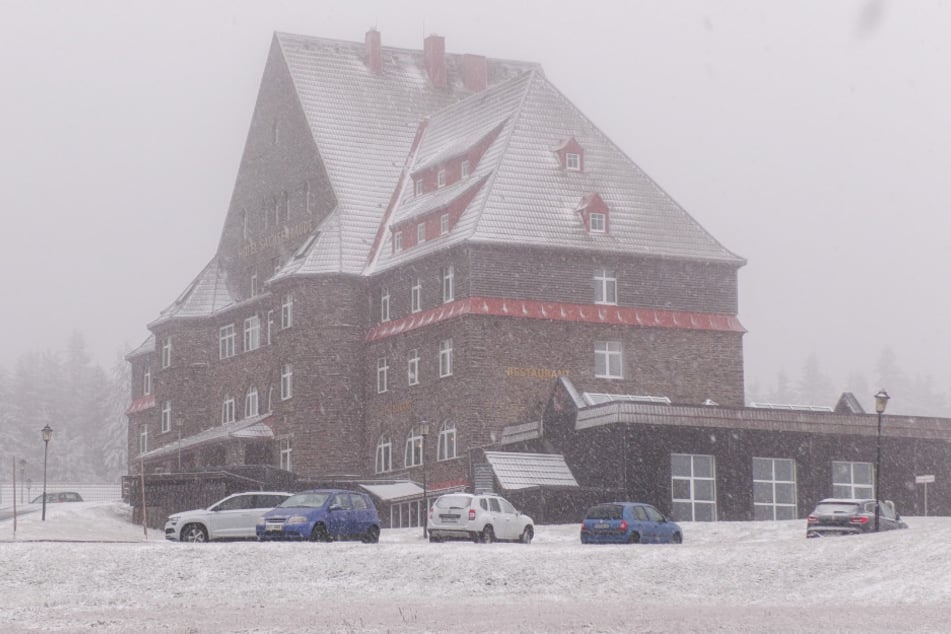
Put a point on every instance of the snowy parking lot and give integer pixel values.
(727, 577)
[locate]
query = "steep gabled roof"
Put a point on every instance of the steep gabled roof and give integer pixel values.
(206, 295)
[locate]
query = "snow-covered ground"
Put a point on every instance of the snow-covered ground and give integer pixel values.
(726, 577)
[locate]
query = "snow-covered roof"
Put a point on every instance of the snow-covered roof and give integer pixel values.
(253, 427)
(516, 470)
(394, 490)
(204, 296)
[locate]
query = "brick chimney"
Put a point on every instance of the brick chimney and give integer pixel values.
(473, 72)
(434, 57)
(374, 52)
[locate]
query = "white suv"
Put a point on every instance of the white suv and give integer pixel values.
(481, 518)
(234, 517)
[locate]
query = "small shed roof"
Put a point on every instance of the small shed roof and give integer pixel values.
(526, 470)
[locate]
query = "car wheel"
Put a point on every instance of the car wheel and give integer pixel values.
(372, 535)
(319, 534)
(634, 539)
(488, 535)
(194, 533)
(476, 537)
(433, 539)
(676, 538)
(527, 535)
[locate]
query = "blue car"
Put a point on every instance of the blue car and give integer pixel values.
(324, 515)
(628, 523)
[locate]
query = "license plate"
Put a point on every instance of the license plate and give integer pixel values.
(273, 528)
(602, 526)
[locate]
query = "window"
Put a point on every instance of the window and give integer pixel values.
(166, 416)
(167, 352)
(227, 410)
(421, 233)
(287, 381)
(226, 341)
(445, 358)
(384, 455)
(147, 381)
(286, 449)
(446, 447)
(774, 489)
(441, 178)
(397, 241)
(415, 296)
(443, 224)
(270, 399)
(382, 370)
(853, 480)
(254, 285)
(596, 221)
(419, 187)
(607, 360)
(693, 487)
(143, 438)
(573, 162)
(464, 169)
(605, 287)
(251, 402)
(385, 304)
(413, 455)
(287, 312)
(252, 333)
(275, 133)
(244, 224)
(285, 207)
(448, 291)
(270, 325)
(412, 367)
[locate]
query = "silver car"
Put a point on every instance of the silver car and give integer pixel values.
(234, 517)
(481, 518)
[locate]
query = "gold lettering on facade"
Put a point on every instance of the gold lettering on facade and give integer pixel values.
(285, 234)
(396, 408)
(535, 373)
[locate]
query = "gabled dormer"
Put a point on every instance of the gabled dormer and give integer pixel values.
(594, 214)
(570, 155)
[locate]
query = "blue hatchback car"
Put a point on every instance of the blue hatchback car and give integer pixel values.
(323, 515)
(628, 523)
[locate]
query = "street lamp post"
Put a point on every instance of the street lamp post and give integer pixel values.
(47, 434)
(881, 400)
(22, 473)
(179, 425)
(423, 432)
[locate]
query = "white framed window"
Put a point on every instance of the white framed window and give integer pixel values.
(382, 373)
(252, 333)
(446, 444)
(412, 367)
(166, 416)
(441, 178)
(385, 304)
(774, 489)
(608, 360)
(270, 325)
(448, 284)
(419, 187)
(287, 312)
(286, 450)
(227, 410)
(285, 207)
(693, 487)
(853, 480)
(443, 224)
(413, 453)
(445, 358)
(384, 455)
(464, 169)
(270, 398)
(398, 241)
(287, 381)
(254, 284)
(251, 402)
(244, 224)
(605, 287)
(226, 341)
(596, 222)
(573, 162)
(421, 233)
(415, 296)
(167, 352)
(147, 381)
(143, 438)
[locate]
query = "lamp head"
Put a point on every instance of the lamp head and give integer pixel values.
(423, 429)
(881, 400)
(47, 432)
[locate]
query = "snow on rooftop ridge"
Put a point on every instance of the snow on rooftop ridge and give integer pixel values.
(597, 398)
(788, 406)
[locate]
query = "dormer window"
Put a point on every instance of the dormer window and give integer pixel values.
(441, 179)
(419, 187)
(397, 241)
(573, 162)
(570, 155)
(596, 222)
(464, 169)
(444, 224)
(594, 213)
(421, 233)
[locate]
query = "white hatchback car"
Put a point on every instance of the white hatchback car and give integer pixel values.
(234, 517)
(479, 517)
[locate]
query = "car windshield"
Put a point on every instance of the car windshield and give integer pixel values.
(837, 508)
(453, 502)
(312, 500)
(604, 512)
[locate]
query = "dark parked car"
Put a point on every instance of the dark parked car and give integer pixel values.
(836, 516)
(628, 523)
(322, 516)
(59, 496)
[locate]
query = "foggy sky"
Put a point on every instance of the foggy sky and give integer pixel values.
(810, 137)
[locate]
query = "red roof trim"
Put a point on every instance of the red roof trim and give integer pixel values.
(141, 404)
(556, 311)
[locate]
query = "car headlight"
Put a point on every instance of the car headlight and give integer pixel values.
(297, 519)
(173, 520)
(261, 521)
